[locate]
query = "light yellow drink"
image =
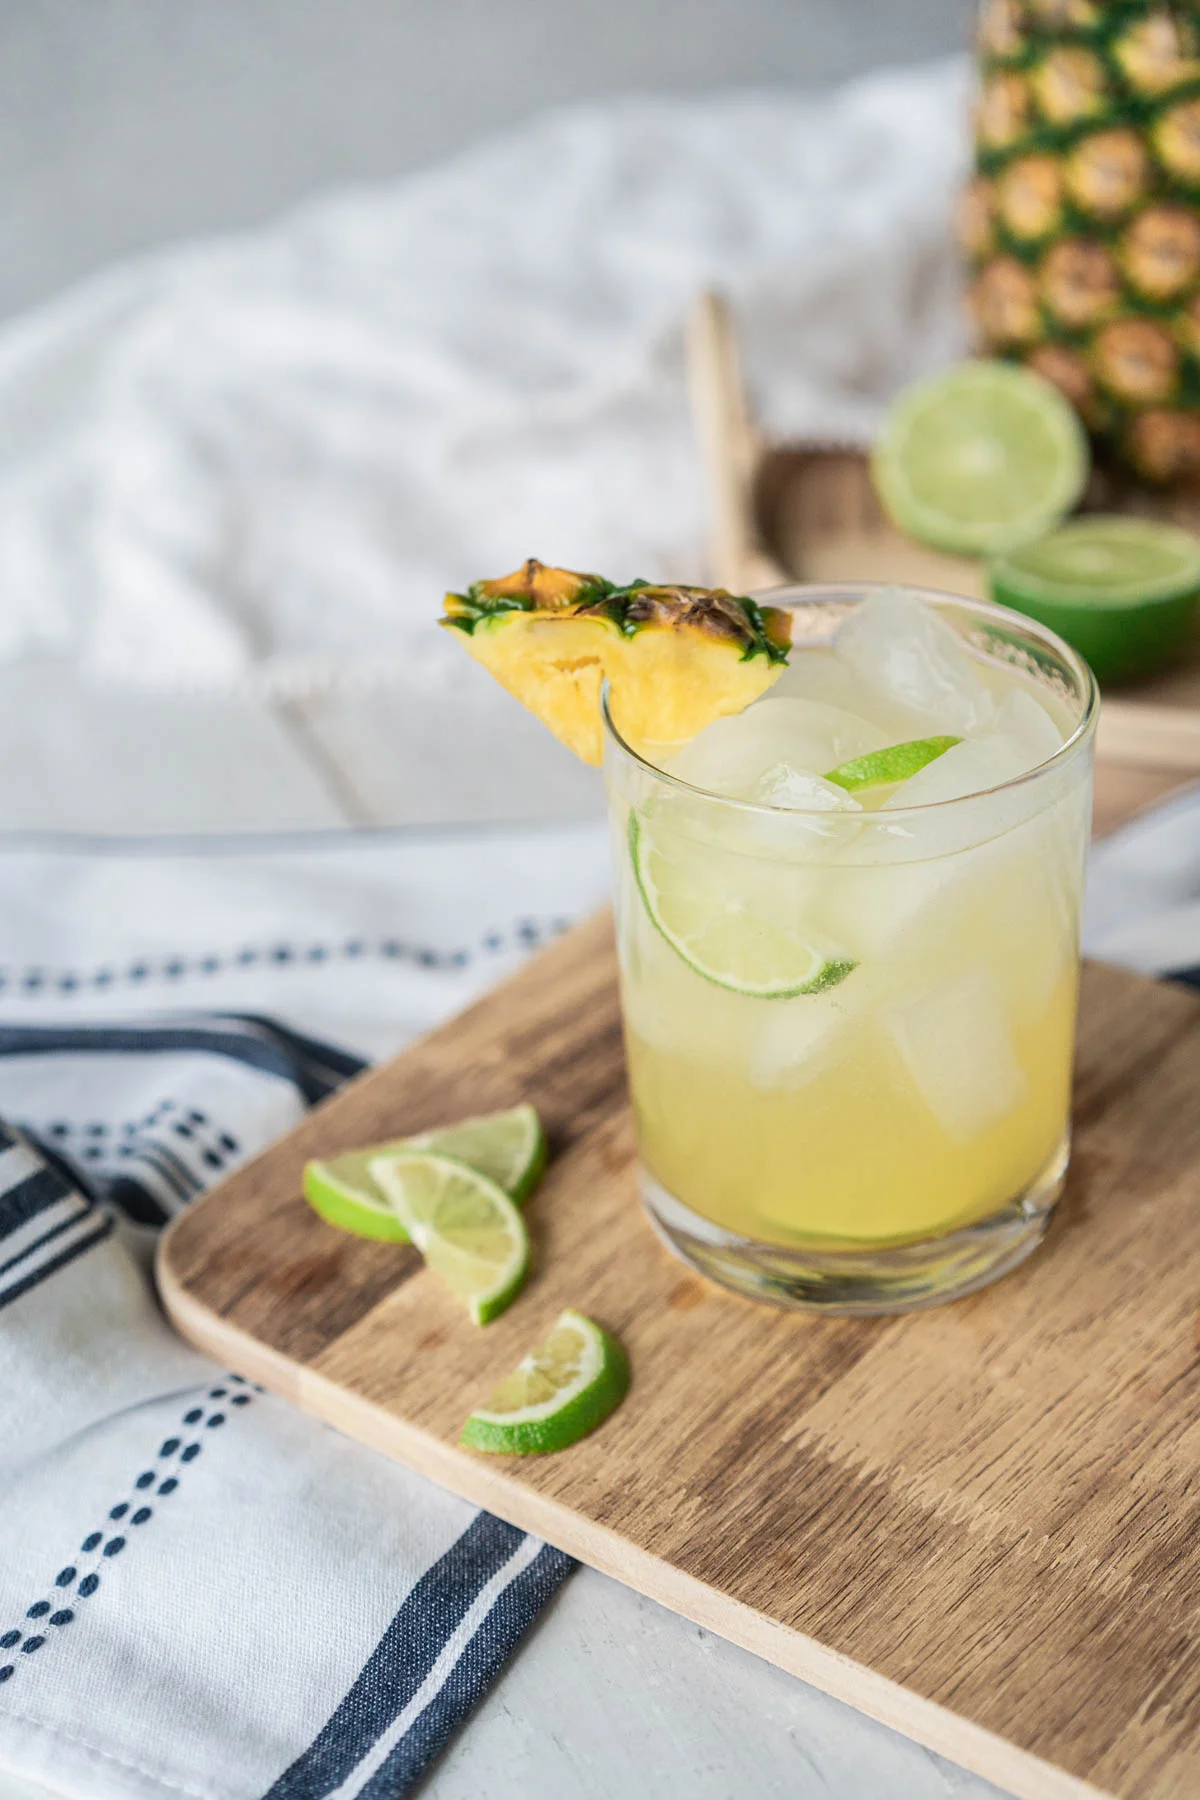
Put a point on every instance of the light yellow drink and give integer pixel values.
(850, 1020)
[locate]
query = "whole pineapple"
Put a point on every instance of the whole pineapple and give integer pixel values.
(1082, 223)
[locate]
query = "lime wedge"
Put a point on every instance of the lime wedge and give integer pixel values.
(883, 768)
(1122, 590)
(508, 1147)
(556, 1395)
(465, 1227)
(742, 936)
(980, 458)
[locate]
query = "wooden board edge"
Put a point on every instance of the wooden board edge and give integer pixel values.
(923, 1721)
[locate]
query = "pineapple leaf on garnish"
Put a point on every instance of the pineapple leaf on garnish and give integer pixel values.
(675, 657)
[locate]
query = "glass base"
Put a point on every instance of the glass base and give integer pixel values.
(859, 1282)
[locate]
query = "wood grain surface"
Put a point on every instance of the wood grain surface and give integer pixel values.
(979, 1524)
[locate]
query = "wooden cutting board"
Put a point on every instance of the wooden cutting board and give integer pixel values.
(979, 1524)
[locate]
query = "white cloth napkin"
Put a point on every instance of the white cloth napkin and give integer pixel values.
(202, 1592)
(1143, 901)
(254, 461)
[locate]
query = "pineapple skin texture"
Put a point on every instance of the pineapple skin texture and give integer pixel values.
(675, 658)
(1081, 226)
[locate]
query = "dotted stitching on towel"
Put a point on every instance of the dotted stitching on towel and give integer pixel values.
(102, 1545)
(525, 934)
(98, 1142)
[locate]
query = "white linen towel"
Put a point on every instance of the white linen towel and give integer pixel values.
(202, 1592)
(254, 461)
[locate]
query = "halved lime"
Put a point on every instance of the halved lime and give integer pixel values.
(1122, 590)
(465, 1227)
(883, 768)
(979, 458)
(740, 934)
(508, 1147)
(556, 1395)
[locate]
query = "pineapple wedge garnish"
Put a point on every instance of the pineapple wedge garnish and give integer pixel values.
(675, 658)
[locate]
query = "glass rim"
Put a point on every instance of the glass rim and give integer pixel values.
(849, 590)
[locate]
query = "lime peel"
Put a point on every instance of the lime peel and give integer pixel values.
(557, 1394)
(884, 768)
(1121, 589)
(507, 1146)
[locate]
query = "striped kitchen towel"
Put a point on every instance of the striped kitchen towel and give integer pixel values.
(202, 1591)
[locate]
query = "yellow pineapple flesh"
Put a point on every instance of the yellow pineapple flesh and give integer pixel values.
(1081, 224)
(675, 658)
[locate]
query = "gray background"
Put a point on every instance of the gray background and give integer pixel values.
(124, 123)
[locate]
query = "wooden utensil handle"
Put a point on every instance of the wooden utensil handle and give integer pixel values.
(730, 446)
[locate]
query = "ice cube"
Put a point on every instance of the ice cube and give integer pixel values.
(783, 785)
(1026, 721)
(902, 650)
(971, 767)
(821, 675)
(956, 1045)
(793, 1041)
(730, 756)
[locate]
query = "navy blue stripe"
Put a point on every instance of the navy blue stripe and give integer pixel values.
(48, 1237)
(481, 1661)
(1189, 977)
(72, 1176)
(68, 1255)
(29, 1197)
(320, 1055)
(137, 1202)
(174, 1171)
(247, 1047)
(7, 1140)
(401, 1660)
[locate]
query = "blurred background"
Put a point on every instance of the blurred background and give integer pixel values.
(128, 123)
(218, 456)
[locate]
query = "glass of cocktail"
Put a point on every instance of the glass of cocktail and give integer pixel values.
(848, 931)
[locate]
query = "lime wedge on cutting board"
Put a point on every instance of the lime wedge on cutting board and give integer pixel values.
(508, 1147)
(979, 458)
(466, 1228)
(1122, 590)
(556, 1395)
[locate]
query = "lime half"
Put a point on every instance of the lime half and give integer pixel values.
(1122, 590)
(883, 768)
(742, 935)
(466, 1228)
(556, 1395)
(508, 1147)
(980, 458)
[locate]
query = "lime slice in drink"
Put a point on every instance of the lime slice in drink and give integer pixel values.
(556, 1395)
(980, 458)
(508, 1147)
(742, 935)
(1121, 590)
(465, 1227)
(883, 768)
